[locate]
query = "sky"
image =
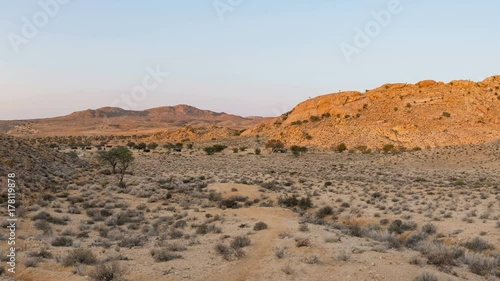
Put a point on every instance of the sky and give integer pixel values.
(245, 57)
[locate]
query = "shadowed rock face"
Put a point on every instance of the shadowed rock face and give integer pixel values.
(428, 113)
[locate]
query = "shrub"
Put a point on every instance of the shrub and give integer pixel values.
(274, 144)
(42, 253)
(429, 228)
(417, 260)
(152, 146)
(297, 150)
(129, 242)
(163, 255)
(223, 250)
(257, 151)
(344, 256)
(388, 148)
(108, 272)
(478, 245)
(229, 253)
(313, 259)
(62, 242)
(446, 114)
(280, 252)
(314, 118)
(176, 247)
(480, 265)
(426, 276)
(303, 227)
(324, 211)
(399, 227)
(415, 239)
(44, 216)
(240, 242)
(210, 150)
(302, 242)
(44, 226)
(292, 201)
(31, 262)
(260, 226)
(389, 240)
(439, 254)
(341, 147)
(79, 256)
(207, 228)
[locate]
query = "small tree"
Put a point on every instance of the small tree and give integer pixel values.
(108, 157)
(274, 144)
(125, 158)
(119, 158)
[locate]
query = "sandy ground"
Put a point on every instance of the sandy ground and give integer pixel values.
(454, 189)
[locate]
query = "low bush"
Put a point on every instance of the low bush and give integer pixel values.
(62, 241)
(426, 276)
(164, 255)
(108, 272)
(481, 265)
(478, 245)
(439, 254)
(260, 226)
(79, 256)
(324, 211)
(240, 242)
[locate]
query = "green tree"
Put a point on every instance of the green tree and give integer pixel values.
(119, 158)
(108, 157)
(124, 158)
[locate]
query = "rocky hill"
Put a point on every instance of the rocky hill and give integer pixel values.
(37, 167)
(425, 114)
(110, 120)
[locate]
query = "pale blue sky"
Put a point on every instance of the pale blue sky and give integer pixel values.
(261, 57)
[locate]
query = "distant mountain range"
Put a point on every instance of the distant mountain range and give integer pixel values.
(425, 114)
(112, 120)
